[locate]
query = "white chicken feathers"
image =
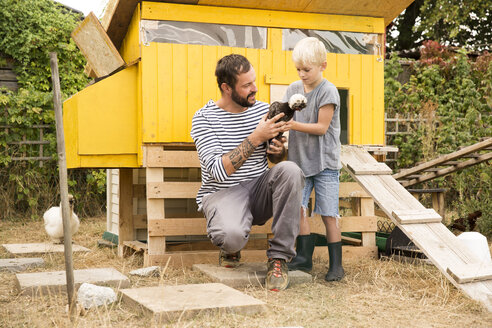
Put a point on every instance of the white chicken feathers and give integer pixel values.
(53, 221)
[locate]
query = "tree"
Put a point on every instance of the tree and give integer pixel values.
(456, 23)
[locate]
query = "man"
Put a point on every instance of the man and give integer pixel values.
(238, 190)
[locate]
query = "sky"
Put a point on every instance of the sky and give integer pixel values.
(86, 6)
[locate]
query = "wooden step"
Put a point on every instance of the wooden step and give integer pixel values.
(416, 216)
(471, 272)
(369, 168)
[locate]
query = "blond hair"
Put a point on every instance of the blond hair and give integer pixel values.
(309, 51)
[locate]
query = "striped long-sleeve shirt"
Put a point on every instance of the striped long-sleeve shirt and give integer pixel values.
(217, 132)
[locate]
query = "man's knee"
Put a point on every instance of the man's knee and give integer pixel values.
(290, 171)
(230, 240)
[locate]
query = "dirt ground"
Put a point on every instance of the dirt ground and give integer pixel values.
(374, 293)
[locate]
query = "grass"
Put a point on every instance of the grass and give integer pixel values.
(374, 293)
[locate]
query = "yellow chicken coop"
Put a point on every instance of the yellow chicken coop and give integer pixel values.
(139, 115)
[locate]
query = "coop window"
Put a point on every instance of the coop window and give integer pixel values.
(335, 41)
(204, 34)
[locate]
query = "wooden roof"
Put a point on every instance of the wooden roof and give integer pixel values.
(119, 12)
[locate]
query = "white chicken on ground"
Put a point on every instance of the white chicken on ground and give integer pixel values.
(53, 221)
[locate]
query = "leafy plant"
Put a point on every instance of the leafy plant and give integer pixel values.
(451, 94)
(29, 31)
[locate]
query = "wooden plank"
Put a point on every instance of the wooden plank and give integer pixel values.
(369, 168)
(443, 159)
(172, 189)
(7, 75)
(352, 241)
(348, 252)
(197, 226)
(190, 189)
(155, 211)
(471, 272)
(140, 221)
(261, 244)
(11, 85)
(96, 46)
(416, 216)
(158, 157)
(193, 226)
(347, 224)
(367, 209)
(351, 189)
(187, 259)
(136, 245)
(139, 191)
(125, 220)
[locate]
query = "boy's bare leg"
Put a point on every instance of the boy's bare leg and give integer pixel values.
(305, 229)
(333, 233)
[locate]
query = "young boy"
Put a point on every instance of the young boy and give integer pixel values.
(314, 145)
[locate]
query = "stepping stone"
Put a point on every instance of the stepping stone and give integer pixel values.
(247, 274)
(168, 303)
(20, 264)
(55, 281)
(40, 248)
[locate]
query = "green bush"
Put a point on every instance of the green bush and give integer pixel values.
(452, 93)
(29, 31)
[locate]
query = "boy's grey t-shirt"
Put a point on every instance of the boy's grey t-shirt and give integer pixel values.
(311, 152)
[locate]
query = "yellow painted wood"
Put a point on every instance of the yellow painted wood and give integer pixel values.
(355, 120)
(70, 129)
(130, 47)
(107, 115)
(367, 104)
(109, 161)
(139, 115)
(164, 71)
(181, 92)
(254, 17)
(210, 89)
(149, 93)
(378, 122)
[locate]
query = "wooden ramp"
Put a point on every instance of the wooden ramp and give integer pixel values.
(421, 225)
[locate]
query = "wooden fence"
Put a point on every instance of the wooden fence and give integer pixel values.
(36, 152)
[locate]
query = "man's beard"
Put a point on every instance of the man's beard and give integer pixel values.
(240, 100)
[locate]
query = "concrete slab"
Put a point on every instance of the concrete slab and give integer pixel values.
(247, 274)
(20, 264)
(168, 303)
(55, 281)
(40, 248)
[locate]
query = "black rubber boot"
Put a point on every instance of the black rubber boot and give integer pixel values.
(304, 258)
(335, 272)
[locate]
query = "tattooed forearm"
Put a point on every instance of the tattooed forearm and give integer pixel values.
(241, 153)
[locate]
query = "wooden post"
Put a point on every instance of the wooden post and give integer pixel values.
(126, 229)
(62, 168)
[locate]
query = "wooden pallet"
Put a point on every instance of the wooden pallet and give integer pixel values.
(423, 227)
(163, 227)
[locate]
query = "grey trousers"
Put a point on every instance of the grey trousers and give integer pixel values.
(231, 212)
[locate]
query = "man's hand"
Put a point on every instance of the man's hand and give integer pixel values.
(267, 129)
(276, 151)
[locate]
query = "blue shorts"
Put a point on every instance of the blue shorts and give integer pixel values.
(326, 185)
